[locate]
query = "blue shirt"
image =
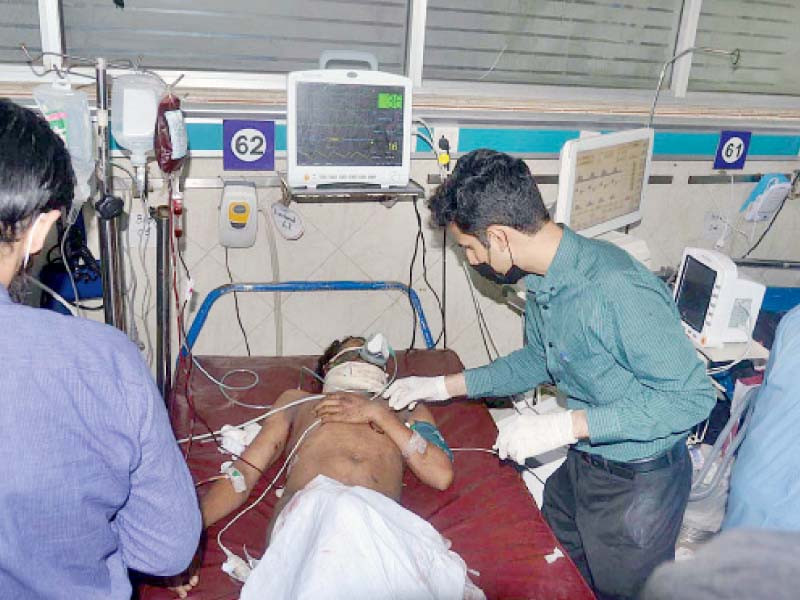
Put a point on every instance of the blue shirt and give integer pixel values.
(607, 333)
(765, 481)
(91, 479)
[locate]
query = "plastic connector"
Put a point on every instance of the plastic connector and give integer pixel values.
(444, 155)
(236, 567)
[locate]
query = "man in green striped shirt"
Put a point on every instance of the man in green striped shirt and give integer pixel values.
(606, 332)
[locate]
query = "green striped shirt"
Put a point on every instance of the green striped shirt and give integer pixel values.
(606, 332)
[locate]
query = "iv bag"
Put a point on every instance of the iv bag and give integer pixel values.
(170, 141)
(67, 112)
(134, 104)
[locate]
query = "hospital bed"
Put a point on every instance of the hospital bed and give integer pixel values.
(487, 513)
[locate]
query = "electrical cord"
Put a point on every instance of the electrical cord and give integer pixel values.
(495, 453)
(444, 287)
(421, 237)
(68, 305)
(236, 304)
(69, 271)
(483, 326)
(766, 230)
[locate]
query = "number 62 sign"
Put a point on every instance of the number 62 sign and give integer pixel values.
(248, 145)
(732, 149)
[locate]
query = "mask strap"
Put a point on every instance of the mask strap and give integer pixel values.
(29, 243)
(345, 351)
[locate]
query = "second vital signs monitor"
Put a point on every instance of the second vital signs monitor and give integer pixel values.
(348, 127)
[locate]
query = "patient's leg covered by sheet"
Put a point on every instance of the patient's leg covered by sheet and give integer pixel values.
(342, 542)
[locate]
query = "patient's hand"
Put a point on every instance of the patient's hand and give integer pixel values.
(344, 407)
(183, 590)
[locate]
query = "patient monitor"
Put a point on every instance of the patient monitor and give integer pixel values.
(347, 127)
(716, 305)
(602, 179)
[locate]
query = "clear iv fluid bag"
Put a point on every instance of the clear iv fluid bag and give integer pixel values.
(134, 103)
(67, 112)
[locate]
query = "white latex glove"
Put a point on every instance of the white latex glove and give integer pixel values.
(411, 390)
(522, 436)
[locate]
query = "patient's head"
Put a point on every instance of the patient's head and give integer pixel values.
(343, 368)
(336, 347)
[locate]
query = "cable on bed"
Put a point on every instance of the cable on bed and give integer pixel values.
(493, 451)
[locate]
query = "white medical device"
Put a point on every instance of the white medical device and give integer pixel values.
(768, 201)
(346, 127)
(238, 214)
(602, 179)
(716, 305)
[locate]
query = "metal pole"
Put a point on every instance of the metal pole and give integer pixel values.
(163, 280)
(108, 210)
(765, 263)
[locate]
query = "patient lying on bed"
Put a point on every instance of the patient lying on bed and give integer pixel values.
(342, 486)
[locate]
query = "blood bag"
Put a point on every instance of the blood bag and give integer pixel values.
(171, 144)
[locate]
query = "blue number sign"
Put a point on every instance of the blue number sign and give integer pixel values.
(248, 145)
(732, 149)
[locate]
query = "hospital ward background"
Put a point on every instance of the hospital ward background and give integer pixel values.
(254, 181)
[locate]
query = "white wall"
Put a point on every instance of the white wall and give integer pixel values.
(372, 242)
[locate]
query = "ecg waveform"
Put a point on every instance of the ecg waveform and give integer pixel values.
(346, 125)
(608, 183)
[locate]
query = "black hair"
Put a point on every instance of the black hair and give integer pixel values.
(35, 170)
(489, 188)
(331, 351)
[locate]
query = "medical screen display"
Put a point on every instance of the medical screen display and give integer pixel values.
(694, 292)
(608, 183)
(349, 125)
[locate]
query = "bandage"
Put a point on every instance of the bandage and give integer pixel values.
(354, 376)
(236, 439)
(416, 443)
(235, 476)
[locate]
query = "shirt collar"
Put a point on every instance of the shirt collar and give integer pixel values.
(564, 265)
(4, 297)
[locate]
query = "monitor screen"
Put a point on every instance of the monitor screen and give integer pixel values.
(694, 292)
(608, 183)
(349, 125)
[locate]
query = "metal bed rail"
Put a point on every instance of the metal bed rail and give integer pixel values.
(303, 286)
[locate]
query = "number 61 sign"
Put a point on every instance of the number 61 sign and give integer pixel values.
(732, 149)
(248, 145)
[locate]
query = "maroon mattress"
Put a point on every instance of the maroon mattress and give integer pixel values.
(487, 513)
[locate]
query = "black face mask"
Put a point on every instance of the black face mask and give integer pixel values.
(512, 276)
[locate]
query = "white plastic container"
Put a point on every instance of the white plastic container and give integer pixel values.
(134, 106)
(67, 112)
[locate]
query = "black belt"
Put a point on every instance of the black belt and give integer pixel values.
(629, 469)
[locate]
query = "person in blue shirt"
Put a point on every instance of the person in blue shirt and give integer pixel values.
(606, 332)
(93, 482)
(765, 479)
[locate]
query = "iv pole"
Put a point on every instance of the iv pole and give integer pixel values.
(109, 208)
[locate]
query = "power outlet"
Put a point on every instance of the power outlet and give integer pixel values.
(713, 226)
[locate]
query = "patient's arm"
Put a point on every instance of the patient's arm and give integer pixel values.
(221, 499)
(432, 467)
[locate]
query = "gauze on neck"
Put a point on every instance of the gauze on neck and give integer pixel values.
(354, 376)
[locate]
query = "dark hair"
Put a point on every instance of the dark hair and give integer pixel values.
(332, 350)
(489, 188)
(35, 170)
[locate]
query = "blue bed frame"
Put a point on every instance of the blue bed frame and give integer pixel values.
(304, 286)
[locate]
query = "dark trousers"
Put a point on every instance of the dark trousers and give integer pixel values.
(617, 526)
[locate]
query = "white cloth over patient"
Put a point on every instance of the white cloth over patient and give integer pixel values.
(335, 541)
